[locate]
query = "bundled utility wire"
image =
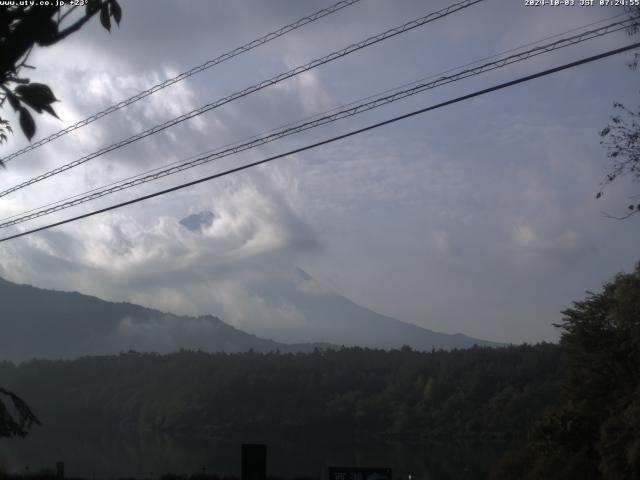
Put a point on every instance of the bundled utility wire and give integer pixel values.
(332, 139)
(336, 115)
(252, 89)
(189, 73)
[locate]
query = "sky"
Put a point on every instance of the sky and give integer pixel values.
(479, 218)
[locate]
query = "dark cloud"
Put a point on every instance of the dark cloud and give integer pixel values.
(196, 222)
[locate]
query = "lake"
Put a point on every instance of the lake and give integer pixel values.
(103, 455)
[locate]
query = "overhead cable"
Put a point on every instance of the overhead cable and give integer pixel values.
(329, 140)
(189, 73)
(306, 125)
(254, 88)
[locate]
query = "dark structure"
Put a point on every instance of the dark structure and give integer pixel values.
(357, 473)
(254, 462)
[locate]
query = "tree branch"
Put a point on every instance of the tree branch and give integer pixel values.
(66, 14)
(25, 420)
(624, 217)
(74, 27)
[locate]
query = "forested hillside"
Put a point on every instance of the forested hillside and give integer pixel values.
(476, 393)
(567, 411)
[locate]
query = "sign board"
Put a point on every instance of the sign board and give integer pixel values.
(358, 473)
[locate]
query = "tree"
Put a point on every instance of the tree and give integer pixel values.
(595, 431)
(22, 28)
(25, 26)
(621, 137)
(601, 335)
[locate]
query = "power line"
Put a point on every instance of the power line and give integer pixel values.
(193, 71)
(362, 99)
(332, 139)
(306, 125)
(371, 96)
(254, 88)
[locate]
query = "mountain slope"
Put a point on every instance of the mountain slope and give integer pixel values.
(329, 317)
(291, 306)
(37, 323)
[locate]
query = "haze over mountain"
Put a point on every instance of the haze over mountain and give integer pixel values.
(318, 313)
(296, 308)
(38, 323)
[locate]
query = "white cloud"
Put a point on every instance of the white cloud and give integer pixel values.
(442, 243)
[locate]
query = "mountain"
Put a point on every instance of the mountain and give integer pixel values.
(329, 317)
(37, 323)
(295, 308)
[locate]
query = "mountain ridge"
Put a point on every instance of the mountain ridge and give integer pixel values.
(50, 324)
(45, 323)
(337, 319)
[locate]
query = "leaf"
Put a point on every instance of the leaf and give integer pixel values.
(599, 195)
(51, 111)
(116, 11)
(13, 101)
(26, 123)
(38, 96)
(92, 7)
(104, 17)
(45, 32)
(40, 89)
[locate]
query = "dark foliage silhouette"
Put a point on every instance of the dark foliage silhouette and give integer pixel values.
(621, 137)
(594, 431)
(16, 418)
(24, 27)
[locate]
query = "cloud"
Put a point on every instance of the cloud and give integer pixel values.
(125, 256)
(164, 334)
(449, 220)
(442, 243)
(531, 248)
